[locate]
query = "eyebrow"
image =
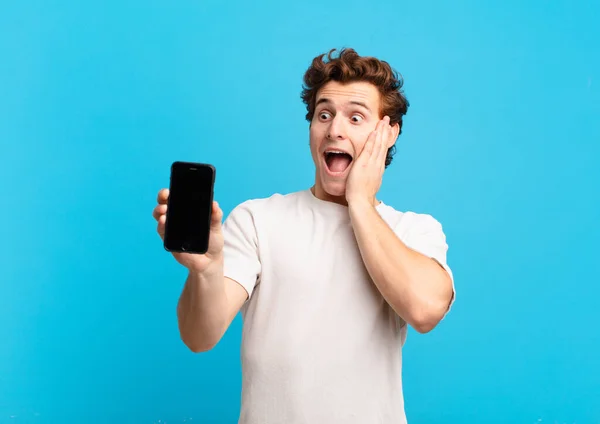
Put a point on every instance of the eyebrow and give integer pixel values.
(353, 102)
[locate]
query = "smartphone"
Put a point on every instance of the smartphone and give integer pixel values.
(189, 207)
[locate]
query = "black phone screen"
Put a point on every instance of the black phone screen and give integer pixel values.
(187, 227)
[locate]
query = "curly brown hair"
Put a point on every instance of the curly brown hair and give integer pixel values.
(347, 67)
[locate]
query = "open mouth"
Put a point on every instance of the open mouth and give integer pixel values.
(337, 161)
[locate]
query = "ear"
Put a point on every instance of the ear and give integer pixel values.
(395, 133)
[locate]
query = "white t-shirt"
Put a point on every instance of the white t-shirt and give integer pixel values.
(319, 343)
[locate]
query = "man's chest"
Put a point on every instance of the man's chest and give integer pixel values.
(311, 250)
(317, 263)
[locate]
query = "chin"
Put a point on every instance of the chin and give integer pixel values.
(334, 188)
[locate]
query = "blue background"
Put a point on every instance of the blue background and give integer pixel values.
(501, 144)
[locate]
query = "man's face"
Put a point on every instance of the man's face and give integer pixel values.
(345, 115)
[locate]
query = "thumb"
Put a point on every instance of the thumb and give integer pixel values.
(217, 217)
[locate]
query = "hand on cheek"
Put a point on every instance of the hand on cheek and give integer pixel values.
(366, 174)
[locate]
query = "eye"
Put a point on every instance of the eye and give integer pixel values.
(324, 116)
(356, 118)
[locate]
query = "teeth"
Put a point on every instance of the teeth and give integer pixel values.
(337, 152)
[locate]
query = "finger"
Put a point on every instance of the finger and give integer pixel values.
(163, 196)
(367, 147)
(216, 216)
(158, 211)
(370, 144)
(160, 228)
(384, 135)
(378, 141)
(387, 134)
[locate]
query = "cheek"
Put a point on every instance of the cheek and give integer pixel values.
(358, 147)
(314, 138)
(314, 146)
(359, 140)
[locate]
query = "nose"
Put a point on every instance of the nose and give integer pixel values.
(336, 129)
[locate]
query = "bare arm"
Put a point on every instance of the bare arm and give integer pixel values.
(208, 304)
(417, 287)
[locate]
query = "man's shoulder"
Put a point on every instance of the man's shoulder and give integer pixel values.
(261, 214)
(274, 203)
(404, 221)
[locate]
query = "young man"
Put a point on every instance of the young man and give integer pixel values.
(328, 278)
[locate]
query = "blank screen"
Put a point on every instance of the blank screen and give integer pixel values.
(190, 203)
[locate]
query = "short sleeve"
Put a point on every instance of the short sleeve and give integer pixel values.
(240, 250)
(425, 235)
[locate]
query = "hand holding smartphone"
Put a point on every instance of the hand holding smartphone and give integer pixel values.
(189, 207)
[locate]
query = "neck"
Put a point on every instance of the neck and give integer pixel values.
(321, 194)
